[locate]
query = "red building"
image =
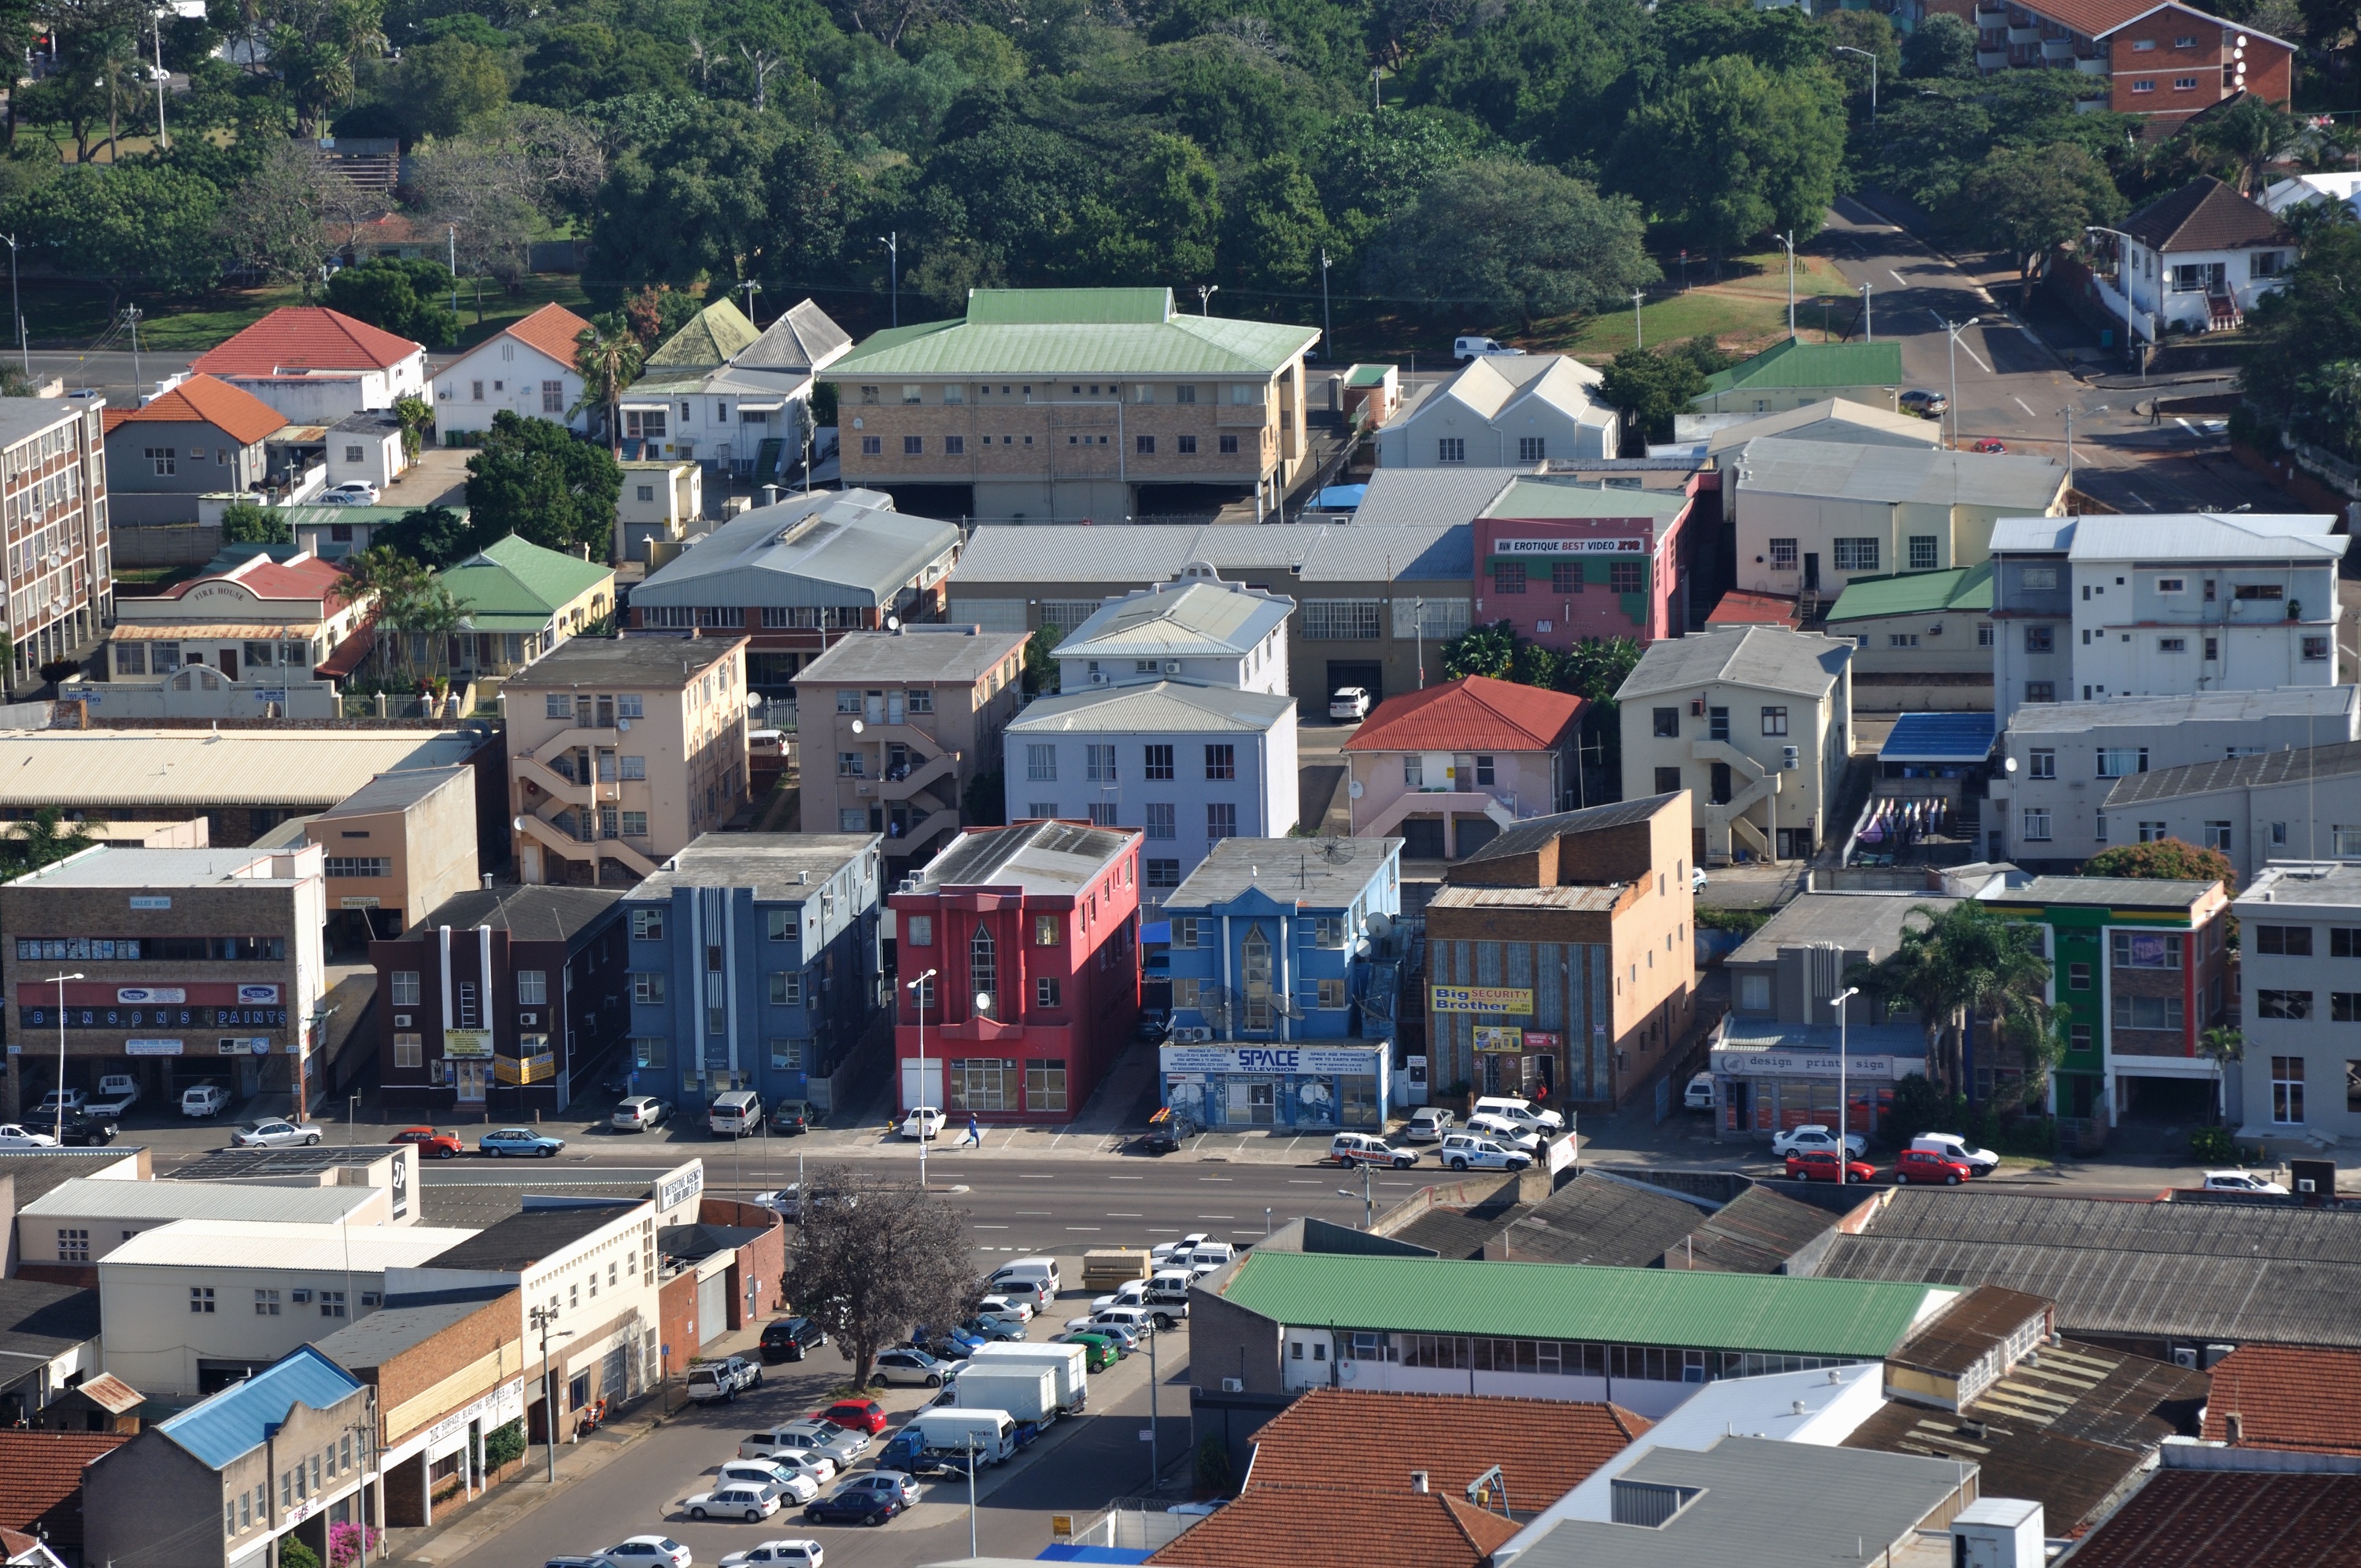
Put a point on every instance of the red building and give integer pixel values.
(2168, 62)
(1031, 933)
(1564, 561)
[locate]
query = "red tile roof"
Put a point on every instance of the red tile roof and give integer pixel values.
(296, 338)
(1317, 1527)
(553, 329)
(2092, 18)
(2200, 1518)
(1740, 607)
(40, 1478)
(2287, 1396)
(1475, 713)
(308, 579)
(201, 399)
(1353, 1438)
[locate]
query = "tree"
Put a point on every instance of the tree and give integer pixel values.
(1272, 225)
(2163, 859)
(44, 838)
(1481, 651)
(657, 311)
(450, 87)
(1941, 45)
(275, 220)
(404, 295)
(2029, 200)
(867, 1272)
(1872, 33)
(1958, 962)
(608, 356)
(1041, 670)
(433, 536)
(2247, 138)
(416, 415)
(531, 478)
(1507, 236)
(126, 225)
(2301, 372)
(1730, 150)
(243, 523)
(413, 607)
(1652, 385)
(1161, 223)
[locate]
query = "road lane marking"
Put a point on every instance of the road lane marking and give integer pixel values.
(1217, 1216)
(2020, 403)
(2137, 497)
(1303, 1182)
(1897, 277)
(1127, 1179)
(1031, 1177)
(990, 1227)
(1217, 1178)
(1969, 349)
(1084, 1227)
(1032, 1214)
(1113, 1215)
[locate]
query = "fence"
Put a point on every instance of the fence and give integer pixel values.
(1133, 1524)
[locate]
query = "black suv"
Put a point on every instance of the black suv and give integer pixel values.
(791, 1339)
(81, 1128)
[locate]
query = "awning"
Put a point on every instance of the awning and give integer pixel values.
(218, 630)
(1156, 931)
(348, 654)
(1959, 738)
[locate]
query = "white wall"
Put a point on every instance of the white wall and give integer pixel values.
(511, 374)
(2122, 625)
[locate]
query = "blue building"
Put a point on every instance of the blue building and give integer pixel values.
(754, 964)
(1286, 974)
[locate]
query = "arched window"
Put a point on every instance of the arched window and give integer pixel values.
(983, 969)
(1255, 971)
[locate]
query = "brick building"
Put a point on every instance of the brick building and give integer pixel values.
(447, 1376)
(41, 1481)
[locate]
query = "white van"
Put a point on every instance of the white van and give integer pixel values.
(1349, 1149)
(735, 1114)
(1465, 348)
(204, 1100)
(948, 1430)
(1041, 1272)
(1523, 1113)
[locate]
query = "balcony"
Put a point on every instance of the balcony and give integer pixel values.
(2058, 52)
(1992, 18)
(1992, 60)
(532, 770)
(2092, 66)
(922, 774)
(2024, 35)
(558, 841)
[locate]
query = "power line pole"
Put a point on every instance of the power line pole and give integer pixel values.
(1327, 332)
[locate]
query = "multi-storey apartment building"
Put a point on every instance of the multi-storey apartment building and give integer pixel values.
(53, 496)
(1200, 630)
(1072, 405)
(2301, 1075)
(2167, 61)
(1451, 766)
(2097, 607)
(622, 751)
(895, 726)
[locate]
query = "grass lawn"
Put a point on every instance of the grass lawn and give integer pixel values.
(1746, 311)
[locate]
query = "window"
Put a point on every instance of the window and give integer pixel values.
(2295, 941)
(405, 988)
(2172, 644)
(1565, 577)
(163, 459)
(2042, 764)
(1775, 721)
(1046, 993)
(2287, 1091)
(913, 445)
(1163, 874)
(407, 1050)
(2289, 1005)
(2315, 649)
(647, 986)
(1041, 762)
(2147, 950)
(954, 445)
(984, 962)
(1227, 443)
(2077, 977)
(131, 659)
(1098, 764)
(1902, 640)
(1983, 634)
(1222, 761)
(332, 1305)
(1923, 557)
(1221, 821)
(2041, 691)
(1855, 554)
(1532, 448)
(2345, 1006)
(1668, 723)
(788, 989)
(1508, 576)
(2149, 832)
(1449, 449)
(1156, 762)
(2036, 827)
(1159, 819)
(2144, 83)
(850, 765)
(266, 1303)
(1045, 1081)
(872, 445)
(1144, 445)
(1626, 576)
(1046, 930)
(2040, 639)
(919, 930)
(74, 1245)
(2216, 836)
(2184, 84)
(1414, 772)
(1783, 555)
(2142, 46)
(1332, 995)
(981, 1084)
(201, 1298)
(2122, 761)
(2254, 591)
(2147, 1012)
(1668, 780)
(532, 987)
(1041, 810)
(635, 825)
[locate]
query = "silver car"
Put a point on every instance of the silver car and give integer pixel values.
(638, 1114)
(273, 1136)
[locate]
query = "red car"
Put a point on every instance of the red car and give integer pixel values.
(854, 1415)
(1989, 446)
(1928, 1170)
(432, 1145)
(1820, 1165)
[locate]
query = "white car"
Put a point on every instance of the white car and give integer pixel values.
(644, 1552)
(1959, 1151)
(204, 1100)
(12, 1136)
(913, 1366)
(777, 1554)
(1132, 1293)
(1524, 1113)
(1699, 1095)
(1699, 882)
(1032, 1293)
(1469, 347)
(1349, 705)
(1135, 1319)
(351, 493)
(798, 1481)
(811, 1437)
(2239, 1181)
(1009, 1306)
(638, 1113)
(923, 1124)
(1428, 1124)
(1473, 1151)
(1815, 1137)
(1174, 1250)
(70, 1099)
(1500, 1129)
(739, 1500)
(273, 1136)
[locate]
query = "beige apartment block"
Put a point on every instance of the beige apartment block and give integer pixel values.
(622, 751)
(894, 725)
(398, 846)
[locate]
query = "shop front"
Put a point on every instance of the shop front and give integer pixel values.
(1311, 1087)
(1765, 1087)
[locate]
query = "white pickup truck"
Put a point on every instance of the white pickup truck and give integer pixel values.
(116, 1094)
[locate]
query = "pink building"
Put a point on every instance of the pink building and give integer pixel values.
(1032, 933)
(1448, 767)
(1564, 562)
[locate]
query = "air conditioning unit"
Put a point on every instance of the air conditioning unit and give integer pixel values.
(1098, 678)
(1172, 666)
(528, 1019)
(2185, 1357)
(1789, 759)
(1199, 1035)
(1234, 1384)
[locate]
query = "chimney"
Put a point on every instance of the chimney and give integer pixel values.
(2234, 1427)
(1418, 1482)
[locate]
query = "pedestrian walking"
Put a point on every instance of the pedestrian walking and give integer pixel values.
(974, 1133)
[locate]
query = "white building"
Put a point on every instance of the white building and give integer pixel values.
(1191, 765)
(1719, 435)
(2059, 761)
(196, 1305)
(1199, 630)
(2199, 258)
(2296, 935)
(1523, 410)
(2159, 604)
(526, 368)
(86, 1220)
(314, 366)
(1754, 723)
(1812, 516)
(720, 392)
(2254, 808)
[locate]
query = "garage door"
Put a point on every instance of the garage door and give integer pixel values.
(1421, 838)
(1366, 674)
(713, 1308)
(1475, 833)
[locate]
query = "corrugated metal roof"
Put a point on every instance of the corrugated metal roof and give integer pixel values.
(1077, 332)
(1938, 738)
(126, 772)
(1915, 593)
(2296, 765)
(1398, 495)
(831, 548)
(1198, 618)
(1300, 874)
(1831, 418)
(239, 1419)
(514, 576)
(1531, 835)
(244, 1201)
(1870, 923)
(2217, 708)
(1622, 1306)
(2209, 536)
(1845, 470)
(2015, 534)
(2108, 892)
(1166, 706)
(1039, 857)
(915, 653)
(1770, 658)
(1042, 558)
(1792, 362)
(1597, 899)
(1548, 497)
(769, 864)
(248, 1244)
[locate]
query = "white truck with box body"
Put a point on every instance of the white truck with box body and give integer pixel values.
(1026, 1392)
(948, 1429)
(1069, 1362)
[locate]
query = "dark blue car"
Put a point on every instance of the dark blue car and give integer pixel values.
(853, 1507)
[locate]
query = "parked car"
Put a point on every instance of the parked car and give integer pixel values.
(1927, 1168)
(1812, 1136)
(1699, 1095)
(923, 1124)
(638, 1114)
(792, 1119)
(1822, 1165)
(1350, 1150)
(2241, 1181)
(796, 1485)
(1117, 1347)
(85, 1129)
(432, 1145)
(1034, 1293)
(1470, 347)
(1991, 447)
(752, 1504)
(853, 1507)
(1162, 1251)
(1502, 1131)
(1003, 1305)
(864, 1416)
(117, 1092)
(896, 1484)
(642, 1551)
(987, 1330)
(1161, 1140)
(1957, 1149)
(789, 1201)
(841, 1444)
(1522, 1113)
(724, 1379)
(791, 1339)
(273, 1134)
(56, 1099)
(520, 1141)
(910, 1367)
(1428, 1124)
(351, 493)
(1136, 1320)
(1098, 1351)
(1349, 705)
(1698, 881)
(1473, 1151)
(953, 1344)
(15, 1136)
(777, 1554)
(204, 1100)
(1926, 404)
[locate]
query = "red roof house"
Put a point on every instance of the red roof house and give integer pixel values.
(1448, 767)
(2270, 1396)
(40, 1479)
(527, 369)
(317, 366)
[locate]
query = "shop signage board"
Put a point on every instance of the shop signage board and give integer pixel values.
(1494, 1001)
(1499, 1037)
(1812, 1064)
(1305, 1059)
(467, 1044)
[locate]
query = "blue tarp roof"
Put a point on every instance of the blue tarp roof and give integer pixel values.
(1069, 1554)
(1938, 738)
(1342, 498)
(236, 1420)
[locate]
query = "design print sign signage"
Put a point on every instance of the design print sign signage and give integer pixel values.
(1275, 1059)
(1810, 1064)
(1492, 1000)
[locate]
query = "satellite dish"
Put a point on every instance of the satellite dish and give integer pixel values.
(753, 701)
(1335, 849)
(518, 825)
(1354, 790)
(893, 623)
(983, 1002)
(858, 726)
(1378, 923)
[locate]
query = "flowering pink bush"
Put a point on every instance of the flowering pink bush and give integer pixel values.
(349, 1544)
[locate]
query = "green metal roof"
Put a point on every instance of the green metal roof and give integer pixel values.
(1050, 333)
(1543, 497)
(715, 335)
(1915, 593)
(1763, 1312)
(513, 585)
(1795, 363)
(1367, 375)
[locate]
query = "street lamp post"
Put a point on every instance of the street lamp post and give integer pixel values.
(2122, 281)
(750, 289)
(1205, 292)
(1368, 1199)
(1847, 49)
(541, 1319)
(1327, 333)
(16, 306)
(893, 244)
(1868, 327)
(1952, 330)
(1788, 239)
(59, 981)
(1639, 335)
(918, 988)
(1844, 1107)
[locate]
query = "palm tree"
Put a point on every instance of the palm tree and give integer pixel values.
(2250, 135)
(608, 358)
(44, 838)
(1916, 975)
(412, 602)
(1963, 961)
